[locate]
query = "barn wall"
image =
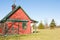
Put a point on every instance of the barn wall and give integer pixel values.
(1, 28)
(19, 14)
(13, 27)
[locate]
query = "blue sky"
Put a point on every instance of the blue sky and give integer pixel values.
(44, 10)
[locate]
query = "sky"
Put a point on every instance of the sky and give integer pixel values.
(39, 10)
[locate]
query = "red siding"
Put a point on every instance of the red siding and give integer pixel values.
(19, 14)
(0, 30)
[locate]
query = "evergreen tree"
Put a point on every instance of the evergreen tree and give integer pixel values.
(52, 24)
(41, 26)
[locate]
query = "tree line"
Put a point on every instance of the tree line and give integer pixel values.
(52, 25)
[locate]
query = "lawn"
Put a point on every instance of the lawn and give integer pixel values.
(43, 34)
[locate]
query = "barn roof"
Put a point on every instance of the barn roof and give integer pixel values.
(12, 12)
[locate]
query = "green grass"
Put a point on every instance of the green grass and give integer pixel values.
(43, 34)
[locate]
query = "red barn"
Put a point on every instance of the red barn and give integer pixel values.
(16, 22)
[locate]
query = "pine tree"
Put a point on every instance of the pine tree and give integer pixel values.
(41, 26)
(52, 24)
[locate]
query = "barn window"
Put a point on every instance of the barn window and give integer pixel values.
(24, 25)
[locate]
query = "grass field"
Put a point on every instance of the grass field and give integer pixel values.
(43, 34)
